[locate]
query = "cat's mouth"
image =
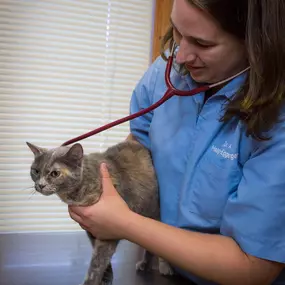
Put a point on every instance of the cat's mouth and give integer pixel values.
(44, 190)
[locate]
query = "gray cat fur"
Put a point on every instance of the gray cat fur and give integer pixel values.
(77, 181)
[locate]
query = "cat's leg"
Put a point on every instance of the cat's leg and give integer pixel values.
(91, 238)
(164, 267)
(145, 263)
(108, 276)
(100, 262)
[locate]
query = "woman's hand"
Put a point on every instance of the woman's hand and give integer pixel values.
(108, 217)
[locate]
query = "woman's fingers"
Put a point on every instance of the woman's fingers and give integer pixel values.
(74, 216)
(107, 183)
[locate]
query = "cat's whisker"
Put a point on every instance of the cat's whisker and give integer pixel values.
(33, 193)
(28, 188)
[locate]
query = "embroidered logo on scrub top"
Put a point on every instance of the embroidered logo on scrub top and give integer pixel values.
(225, 153)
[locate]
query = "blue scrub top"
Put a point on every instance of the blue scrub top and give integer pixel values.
(212, 177)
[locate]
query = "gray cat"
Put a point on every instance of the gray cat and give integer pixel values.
(75, 178)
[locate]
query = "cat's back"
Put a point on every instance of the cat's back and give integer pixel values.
(132, 164)
(129, 155)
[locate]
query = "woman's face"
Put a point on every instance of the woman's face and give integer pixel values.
(208, 52)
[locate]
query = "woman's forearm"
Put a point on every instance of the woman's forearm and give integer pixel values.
(213, 257)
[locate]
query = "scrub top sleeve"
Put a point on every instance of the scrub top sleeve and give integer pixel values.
(142, 97)
(255, 215)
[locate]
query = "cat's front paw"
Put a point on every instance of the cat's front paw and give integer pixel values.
(103, 282)
(165, 268)
(144, 265)
(141, 265)
(106, 282)
(108, 277)
(86, 282)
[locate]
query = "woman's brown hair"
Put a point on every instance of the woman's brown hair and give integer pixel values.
(261, 24)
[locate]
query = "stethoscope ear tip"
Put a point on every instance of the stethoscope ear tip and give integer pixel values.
(173, 48)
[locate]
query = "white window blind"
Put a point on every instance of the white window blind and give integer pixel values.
(66, 67)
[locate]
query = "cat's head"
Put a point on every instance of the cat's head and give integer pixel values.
(57, 171)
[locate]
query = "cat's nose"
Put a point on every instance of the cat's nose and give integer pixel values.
(41, 183)
(42, 186)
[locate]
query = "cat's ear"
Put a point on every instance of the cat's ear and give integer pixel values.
(35, 149)
(75, 154)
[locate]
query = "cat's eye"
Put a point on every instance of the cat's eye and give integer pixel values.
(55, 173)
(35, 171)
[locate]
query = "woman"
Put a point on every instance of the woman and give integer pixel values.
(219, 154)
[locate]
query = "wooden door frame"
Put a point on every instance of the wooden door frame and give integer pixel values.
(161, 22)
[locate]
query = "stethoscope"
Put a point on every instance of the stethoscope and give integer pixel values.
(171, 91)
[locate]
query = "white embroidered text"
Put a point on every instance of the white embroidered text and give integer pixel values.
(224, 154)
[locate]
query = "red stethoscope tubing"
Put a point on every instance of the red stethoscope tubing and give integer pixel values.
(171, 91)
